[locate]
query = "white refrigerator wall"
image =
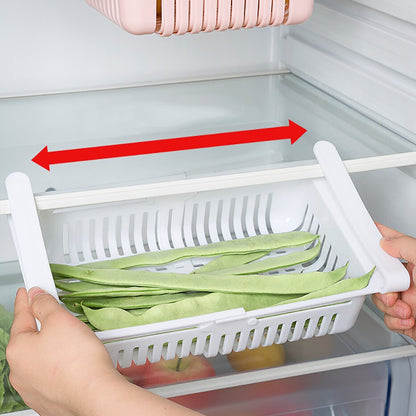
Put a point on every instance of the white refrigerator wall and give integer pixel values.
(362, 55)
(58, 45)
(362, 51)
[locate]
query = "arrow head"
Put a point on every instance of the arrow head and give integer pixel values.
(296, 131)
(42, 158)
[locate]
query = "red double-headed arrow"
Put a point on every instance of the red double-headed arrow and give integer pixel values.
(45, 158)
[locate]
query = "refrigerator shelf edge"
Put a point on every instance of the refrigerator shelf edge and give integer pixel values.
(277, 373)
(125, 193)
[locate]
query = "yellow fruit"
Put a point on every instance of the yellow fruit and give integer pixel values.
(261, 357)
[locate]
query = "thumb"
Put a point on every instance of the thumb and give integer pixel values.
(403, 247)
(42, 303)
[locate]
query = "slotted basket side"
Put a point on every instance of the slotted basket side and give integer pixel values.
(225, 336)
(107, 232)
(86, 235)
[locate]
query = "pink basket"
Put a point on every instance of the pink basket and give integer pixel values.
(168, 17)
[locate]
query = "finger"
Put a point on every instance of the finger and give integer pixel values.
(401, 247)
(398, 309)
(23, 321)
(397, 324)
(387, 299)
(43, 304)
(387, 232)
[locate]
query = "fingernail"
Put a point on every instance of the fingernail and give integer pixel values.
(402, 312)
(20, 289)
(387, 299)
(407, 323)
(33, 292)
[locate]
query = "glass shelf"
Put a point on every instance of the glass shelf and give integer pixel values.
(85, 119)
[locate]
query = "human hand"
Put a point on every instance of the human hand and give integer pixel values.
(55, 369)
(399, 308)
(65, 370)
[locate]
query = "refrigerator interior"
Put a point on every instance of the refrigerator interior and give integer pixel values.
(347, 75)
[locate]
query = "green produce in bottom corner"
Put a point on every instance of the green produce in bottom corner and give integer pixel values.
(10, 401)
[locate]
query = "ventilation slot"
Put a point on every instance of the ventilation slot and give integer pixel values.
(118, 233)
(332, 323)
(65, 243)
(132, 244)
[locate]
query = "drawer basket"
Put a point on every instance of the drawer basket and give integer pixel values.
(329, 206)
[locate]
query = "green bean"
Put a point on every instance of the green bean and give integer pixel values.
(230, 260)
(257, 243)
(300, 283)
(87, 290)
(71, 286)
(76, 307)
(345, 285)
(112, 318)
(73, 305)
(138, 312)
(82, 317)
(273, 263)
(135, 302)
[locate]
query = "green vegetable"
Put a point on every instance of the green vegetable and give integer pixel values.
(230, 260)
(259, 243)
(273, 263)
(6, 319)
(86, 290)
(10, 400)
(282, 283)
(134, 302)
(116, 293)
(345, 285)
(112, 318)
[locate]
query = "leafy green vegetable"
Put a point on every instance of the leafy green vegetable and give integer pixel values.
(10, 401)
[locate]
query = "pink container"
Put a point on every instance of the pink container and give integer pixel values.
(178, 17)
(135, 16)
